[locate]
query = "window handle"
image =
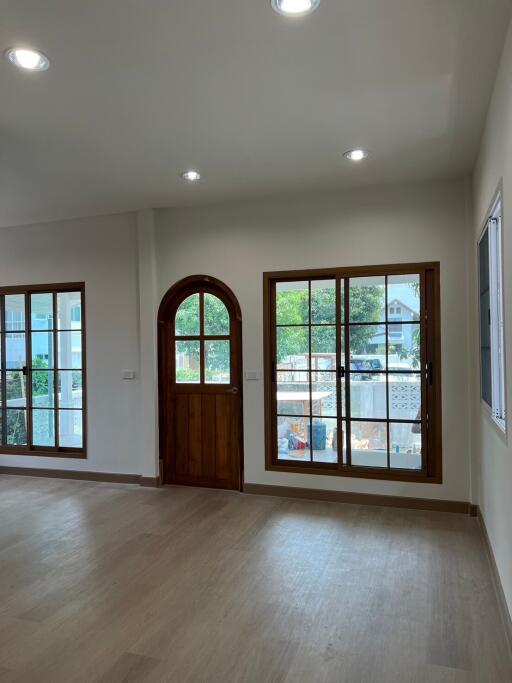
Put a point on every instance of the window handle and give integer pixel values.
(341, 371)
(25, 370)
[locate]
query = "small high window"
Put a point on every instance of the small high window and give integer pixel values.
(492, 353)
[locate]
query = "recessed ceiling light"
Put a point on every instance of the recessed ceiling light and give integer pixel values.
(294, 8)
(190, 175)
(356, 154)
(32, 60)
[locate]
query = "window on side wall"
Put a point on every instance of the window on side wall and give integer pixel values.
(42, 370)
(492, 352)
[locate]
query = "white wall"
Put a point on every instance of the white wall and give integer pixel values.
(491, 453)
(103, 253)
(129, 261)
(237, 242)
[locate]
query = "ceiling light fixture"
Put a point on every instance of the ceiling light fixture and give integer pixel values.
(31, 60)
(190, 175)
(294, 8)
(356, 154)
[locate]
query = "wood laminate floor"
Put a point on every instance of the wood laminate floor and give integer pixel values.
(111, 583)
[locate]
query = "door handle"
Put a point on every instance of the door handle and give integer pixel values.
(233, 390)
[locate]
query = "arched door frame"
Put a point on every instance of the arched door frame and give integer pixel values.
(169, 305)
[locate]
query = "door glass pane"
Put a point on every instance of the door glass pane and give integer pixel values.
(187, 317)
(70, 389)
(70, 428)
(292, 303)
(70, 350)
(216, 316)
(404, 298)
(43, 395)
(368, 396)
(367, 347)
(404, 346)
(15, 312)
(16, 385)
(293, 393)
(17, 427)
(15, 350)
(187, 362)
(292, 438)
(41, 311)
(404, 397)
(217, 362)
(69, 310)
(292, 348)
(367, 299)
(42, 349)
(43, 427)
(369, 444)
(323, 302)
(324, 394)
(405, 445)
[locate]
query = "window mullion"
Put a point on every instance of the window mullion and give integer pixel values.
(310, 376)
(28, 367)
(201, 342)
(339, 363)
(56, 371)
(4, 374)
(501, 326)
(346, 319)
(386, 341)
(424, 339)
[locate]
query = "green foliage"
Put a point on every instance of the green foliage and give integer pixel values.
(40, 379)
(217, 359)
(413, 354)
(187, 375)
(187, 317)
(292, 308)
(216, 316)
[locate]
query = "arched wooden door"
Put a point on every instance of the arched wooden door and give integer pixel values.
(200, 384)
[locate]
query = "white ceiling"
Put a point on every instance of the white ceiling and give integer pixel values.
(140, 89)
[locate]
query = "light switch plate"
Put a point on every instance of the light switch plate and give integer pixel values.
(252, 375)
(128, 374)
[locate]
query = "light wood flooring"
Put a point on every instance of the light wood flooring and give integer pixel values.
(111, 583)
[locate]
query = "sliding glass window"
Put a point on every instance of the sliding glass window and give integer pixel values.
(353, 371)
(43, 370)
(492, 318)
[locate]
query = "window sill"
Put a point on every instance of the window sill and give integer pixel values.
(499, 426)
(42, 452)
(358, 472)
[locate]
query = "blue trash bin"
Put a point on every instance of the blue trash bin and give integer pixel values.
(319, 436)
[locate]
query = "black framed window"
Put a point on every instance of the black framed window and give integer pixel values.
(353, 371)
(42, 370)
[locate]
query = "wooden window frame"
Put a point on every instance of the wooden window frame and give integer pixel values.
(430, 370)
(48, 451)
